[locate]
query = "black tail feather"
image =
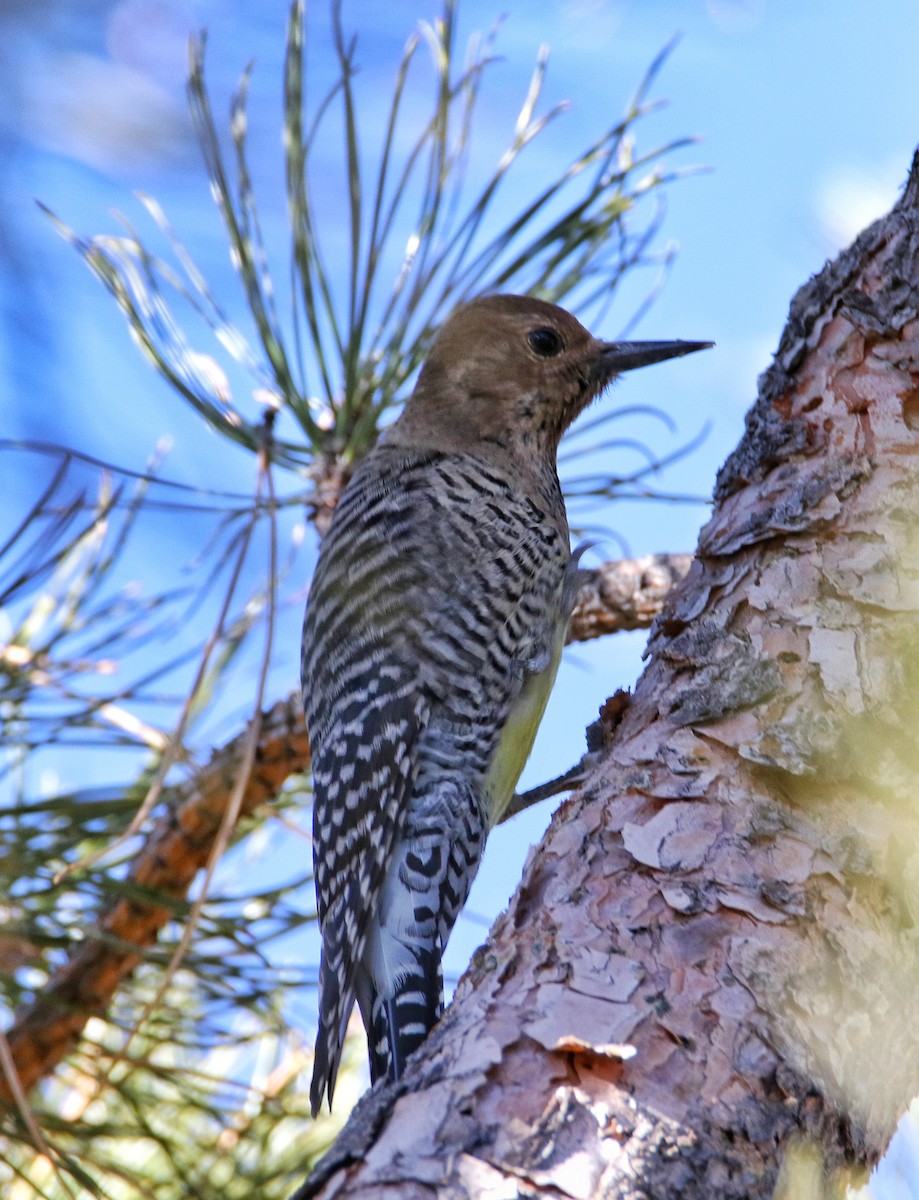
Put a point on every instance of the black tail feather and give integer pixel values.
(401, 1023)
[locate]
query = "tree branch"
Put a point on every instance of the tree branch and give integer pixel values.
(623, 595)
(177, 848)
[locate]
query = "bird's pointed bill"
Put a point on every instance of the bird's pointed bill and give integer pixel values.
(626, 356)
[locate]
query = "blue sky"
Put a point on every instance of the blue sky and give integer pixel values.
(807, 117)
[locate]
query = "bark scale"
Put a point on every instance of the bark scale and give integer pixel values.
(709, 969)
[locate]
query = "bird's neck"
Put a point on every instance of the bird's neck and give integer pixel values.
(526, 473)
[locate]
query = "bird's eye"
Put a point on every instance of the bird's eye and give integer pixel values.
(545, 341)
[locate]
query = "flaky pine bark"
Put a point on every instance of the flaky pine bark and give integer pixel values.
(709, 969)
(615, 596)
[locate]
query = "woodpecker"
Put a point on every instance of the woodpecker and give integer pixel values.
(433, 632)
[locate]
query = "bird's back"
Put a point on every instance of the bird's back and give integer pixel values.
(435, 564)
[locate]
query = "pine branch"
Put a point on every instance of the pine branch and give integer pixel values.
(175, 851)
(624, 595)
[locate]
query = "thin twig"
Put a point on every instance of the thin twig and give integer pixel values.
(13, 1082)
(234, 806)
(174, 746)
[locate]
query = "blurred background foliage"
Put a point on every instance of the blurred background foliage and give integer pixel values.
(139, 613)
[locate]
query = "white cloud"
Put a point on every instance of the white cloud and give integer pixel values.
(851, 197)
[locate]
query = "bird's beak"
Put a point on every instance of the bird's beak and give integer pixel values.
(626, 356)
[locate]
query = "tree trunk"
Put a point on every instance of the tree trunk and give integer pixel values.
(705, 985)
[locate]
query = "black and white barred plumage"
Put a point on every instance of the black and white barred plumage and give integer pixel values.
(433, 632)
(414, 652)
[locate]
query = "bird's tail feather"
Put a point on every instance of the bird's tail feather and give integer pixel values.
(400, 1023)
(330, 1038)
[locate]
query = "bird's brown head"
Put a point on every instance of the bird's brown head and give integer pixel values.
(512, 373)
